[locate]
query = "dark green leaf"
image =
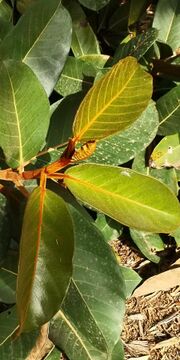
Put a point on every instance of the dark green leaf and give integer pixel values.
(45, 51)
(45, 265)
(19, 349)
(24, 121)
(83, 38)
(133, 199)
(8, 325)
(122, 147)
(168, 107)
(137, 46)
(7, 286)
(94, 4)
(167, 21)
(136, 10)
(54, 355)
(149, 244)
(5, 229)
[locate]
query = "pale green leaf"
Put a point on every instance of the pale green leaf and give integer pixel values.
(167, 21)
(131, 278)
(110, 228)
(45, 265)
(24, 121)
(176, 235)
(167, 152)
(41, 39)
(114, 102)
(132, 199)
(168, 107)
(149, 244)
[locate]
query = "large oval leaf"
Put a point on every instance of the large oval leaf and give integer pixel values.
(45, 265)
(24, 117)
(114, 102)
(98, 292)
(133, 199)
(167, 21)
(41, 39)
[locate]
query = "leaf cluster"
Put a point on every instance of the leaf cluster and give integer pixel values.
(90, 149)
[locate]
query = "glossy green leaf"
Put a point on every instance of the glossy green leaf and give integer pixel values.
(45, 51)
(137, 46)
(5, 228)
(19, 349)
(168, 107)
(114, 102)
(123, 146)
(109, 227)
(76, 76)
(118, 351)
(149, 244)
(24, 121)
(45, 265)
(167, 21)
(97, 290)
(132, 199)
(5, 27)
(84, 40)
(131, 278)
(167, 152)
(8, 325)
(94, 4)
(7, 286)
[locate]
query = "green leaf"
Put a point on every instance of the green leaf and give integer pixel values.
(114, 102)
(132, 199)
(8, 325)
(94, 4)
(136, 10)
(97, 290)
(149, 244)
(7, 286)
(45, 51)
(122, 147)
(22, 5)
(5, 11)
(83, 38)
(176, 235)
(137, 46)
(77, 75)
(24, 121)
(45, 265)
(19, 349)
(167, 152)
(131, 278)
(5, 228)
(168, 107)
(108, 227)
(118, 351)
(167, 21)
